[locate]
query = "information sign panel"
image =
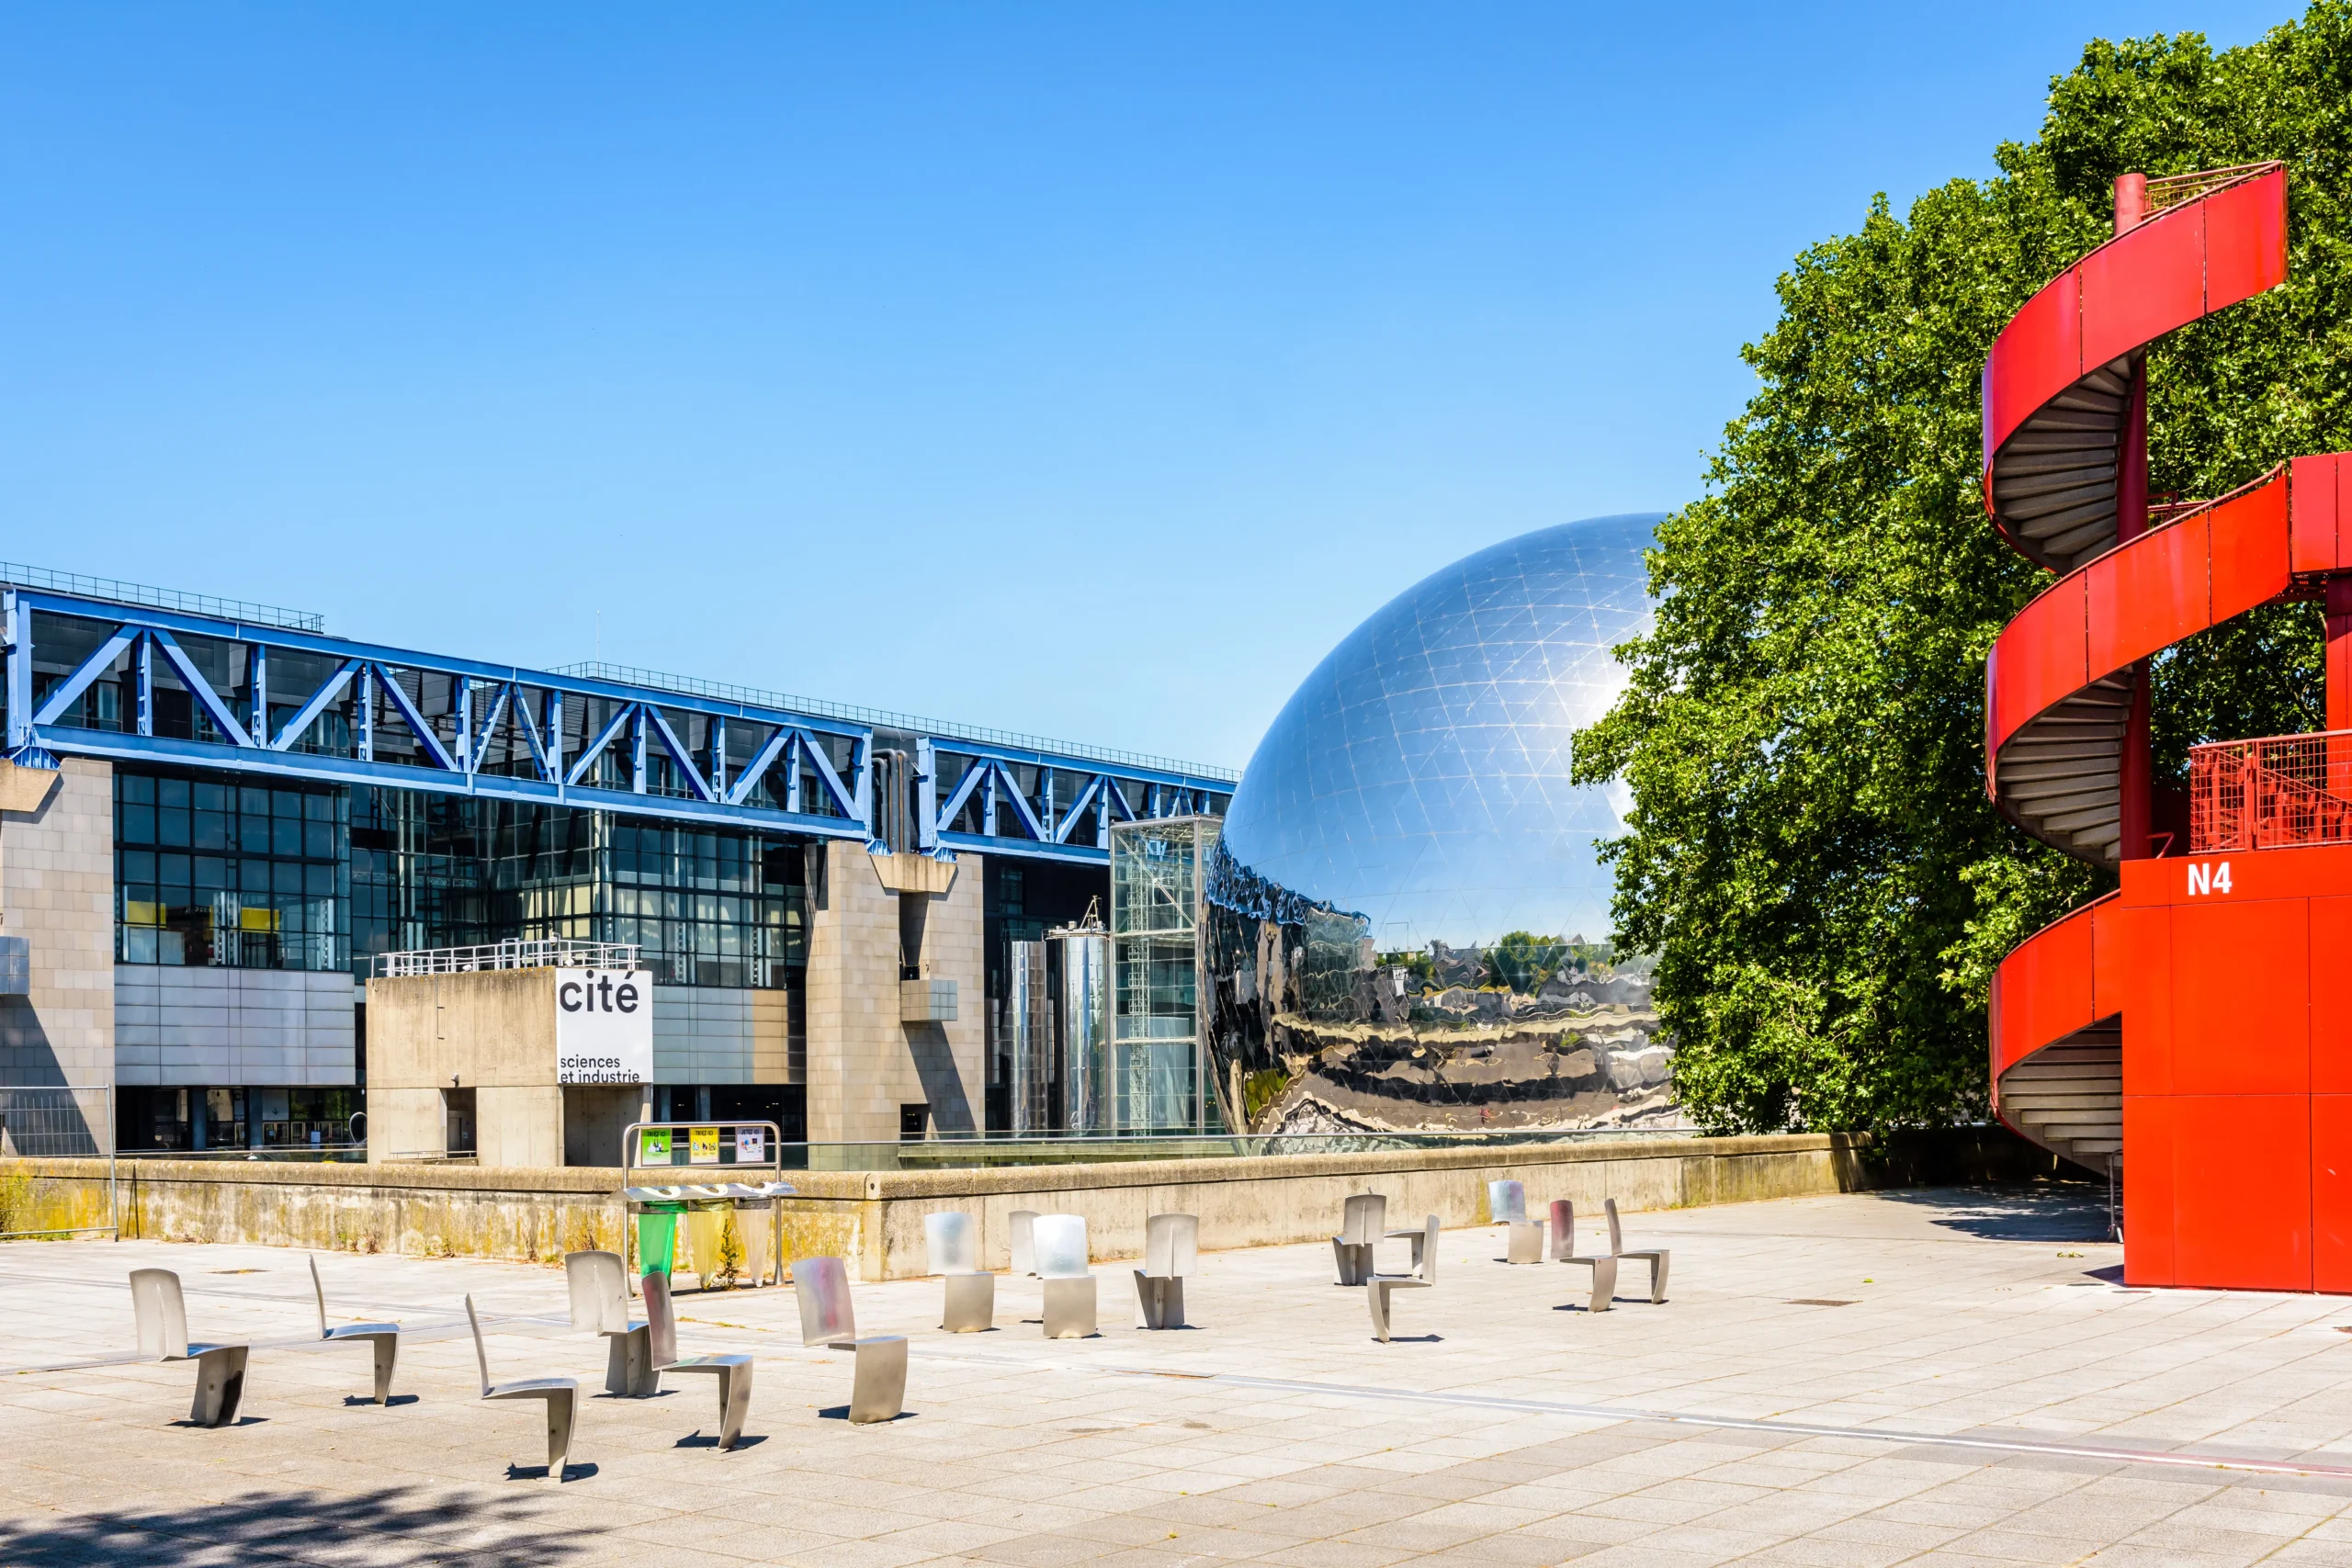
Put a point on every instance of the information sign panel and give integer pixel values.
(604, 1026)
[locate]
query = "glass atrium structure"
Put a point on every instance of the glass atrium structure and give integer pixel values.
(1159, 1056)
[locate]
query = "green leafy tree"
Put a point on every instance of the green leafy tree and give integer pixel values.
(1523, 961)
(1809, 852)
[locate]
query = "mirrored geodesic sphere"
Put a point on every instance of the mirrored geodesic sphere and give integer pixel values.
(1419, 778)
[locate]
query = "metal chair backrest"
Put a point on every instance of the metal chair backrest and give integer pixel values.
(1507, 1202)
(1024, 1241)
(822, 1286)
(661, 1322)
(320, 1291)
(599, 1291)
(1171, 1245)
(1564, 1228)
(482, 1356)
(1616, 1233)
(1061, 1247)
(163, 1313)
(952, 1243)
(1362, 1219)
(1429, 1252)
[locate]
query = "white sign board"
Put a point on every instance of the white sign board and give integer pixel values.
(604, 1026)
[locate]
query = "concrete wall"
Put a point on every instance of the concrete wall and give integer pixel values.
(875, 1220)
(863, 1063)
(57, 890)
(232, 1026)
(493, 1032)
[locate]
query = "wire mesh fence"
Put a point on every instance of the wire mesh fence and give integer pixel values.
(54, 1122)
(2270, 794)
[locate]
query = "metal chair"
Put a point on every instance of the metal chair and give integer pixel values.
(1378, 1286)
(1170, 1253)
(1422, 1265)
(162, 1335)
(1062, 1268)
(384, 1337)
(1507, 1205)
(1563, 1250)
(1658, 1257)
(952, 1245)
(733, 1371)
(1024, 1240)
(600, 1303)
(878, 1390)
(561, 1394)
(1351, 1250)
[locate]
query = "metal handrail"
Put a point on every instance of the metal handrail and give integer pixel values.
(544, 953)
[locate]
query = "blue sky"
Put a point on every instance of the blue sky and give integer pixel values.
(1087, 370)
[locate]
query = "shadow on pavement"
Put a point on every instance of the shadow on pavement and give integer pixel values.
(401, 1525)
(2069, 1211)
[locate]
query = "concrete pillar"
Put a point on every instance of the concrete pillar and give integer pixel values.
(57, 891)
(862, 1063)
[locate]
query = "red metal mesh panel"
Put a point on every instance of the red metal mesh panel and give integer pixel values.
(2260, 794)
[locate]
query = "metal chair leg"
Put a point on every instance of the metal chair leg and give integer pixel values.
(734, 1403)
(1605, 1283)
(879, 1391)
(1375, 1292)
(1070, 1308)
(969, 1303)
(220, 1384)
(388, 1349)
(628, 1364)
(560, 1415)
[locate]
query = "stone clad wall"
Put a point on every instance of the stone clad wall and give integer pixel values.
(57, 890)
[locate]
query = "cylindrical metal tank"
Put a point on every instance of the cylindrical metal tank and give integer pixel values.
(1082, 963)
(1029, 1028)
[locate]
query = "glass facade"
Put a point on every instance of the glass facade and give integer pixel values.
(710, 907)
(219, 874)
(210, 871)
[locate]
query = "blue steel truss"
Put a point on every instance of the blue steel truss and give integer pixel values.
(381, 715)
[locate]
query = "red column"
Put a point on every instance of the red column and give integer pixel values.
(2137, 776)
(2339, 653)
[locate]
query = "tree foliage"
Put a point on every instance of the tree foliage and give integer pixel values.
(1810, 852)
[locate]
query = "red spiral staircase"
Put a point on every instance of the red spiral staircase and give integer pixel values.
(2184, 1029)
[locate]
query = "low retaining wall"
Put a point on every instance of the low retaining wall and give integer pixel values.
(875, 1220)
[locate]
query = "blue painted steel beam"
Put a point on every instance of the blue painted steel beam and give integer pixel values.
(319, 768)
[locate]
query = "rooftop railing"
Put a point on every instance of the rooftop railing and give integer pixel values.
(114, 591)
(552, 953)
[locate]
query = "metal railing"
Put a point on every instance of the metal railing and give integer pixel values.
(53, 1122)
(2171, 190)
(967, 1151)
(882, 718)
(546, 953)
(107, 588)
(2273, 793)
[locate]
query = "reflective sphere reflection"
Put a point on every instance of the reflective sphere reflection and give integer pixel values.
(1420, 775)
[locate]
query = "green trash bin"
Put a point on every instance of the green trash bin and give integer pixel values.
(657, 1237)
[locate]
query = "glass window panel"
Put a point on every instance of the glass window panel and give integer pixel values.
(138, 824)
(286, 876)
(211, 797)
(285, 802)
(318, 881)
(317, 840)
(137, 787)
(138, 865)
(252, 801)
(318, 809)
(173, 869)
(171, 825)
(171, 792)
(286, 837)
(253, 875)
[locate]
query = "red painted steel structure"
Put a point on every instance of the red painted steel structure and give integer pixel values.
(2187, 1026)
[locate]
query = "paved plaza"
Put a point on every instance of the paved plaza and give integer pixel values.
(1785, 1407)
